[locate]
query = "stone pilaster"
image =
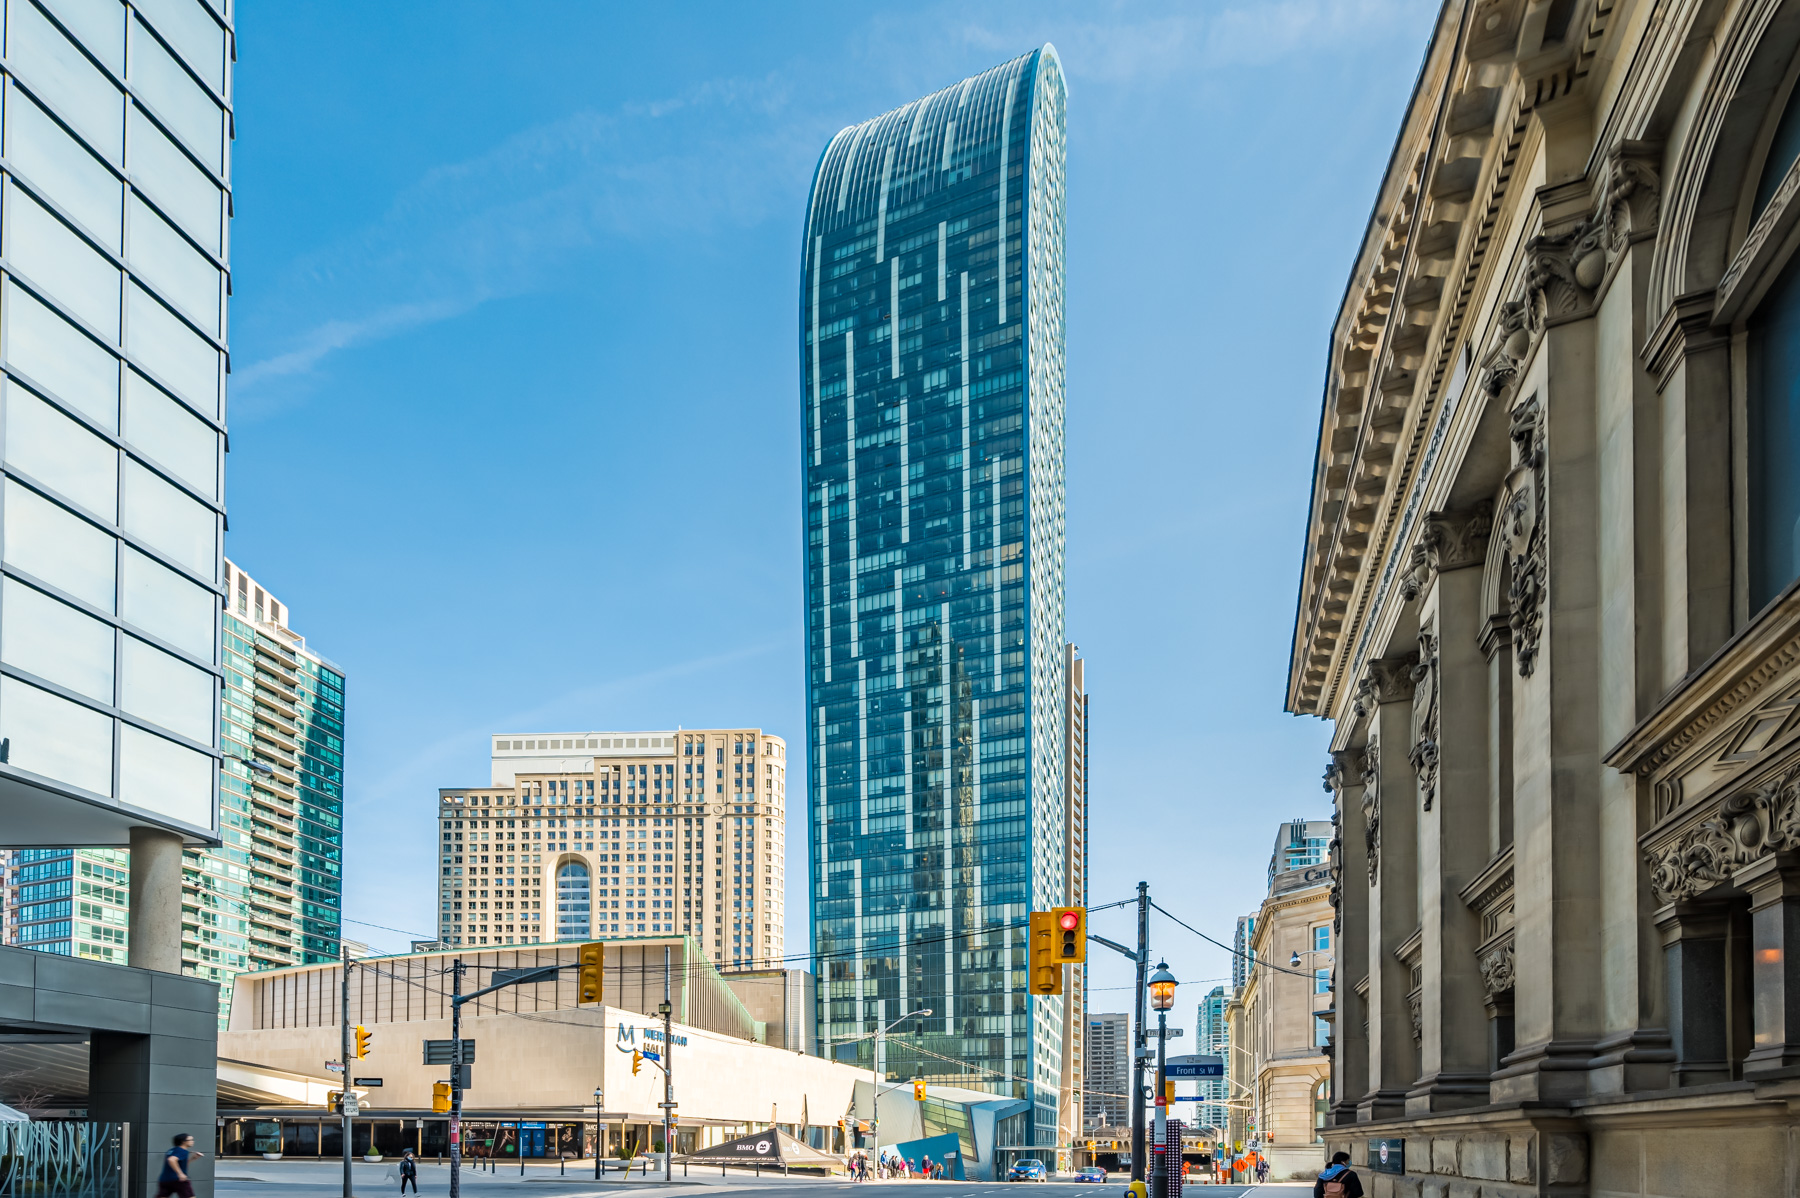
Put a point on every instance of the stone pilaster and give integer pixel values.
(1390, 813)
(1773, 883)
(1350, 935)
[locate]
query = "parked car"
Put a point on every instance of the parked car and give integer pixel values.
(1028, 1169)
(1091, 1173)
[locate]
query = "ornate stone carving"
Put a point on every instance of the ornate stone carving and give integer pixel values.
(1631, 202)
(1528, 565)
(1747, 825)
(1385, 680)
(1497, 969)
(1371, 807)
(1448, 541)
(1424, 753)
(1418, 1018)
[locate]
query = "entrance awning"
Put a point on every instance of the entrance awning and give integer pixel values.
(767, 1147)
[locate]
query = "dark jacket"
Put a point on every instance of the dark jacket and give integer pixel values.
(1352, 1183)
(408, 1168)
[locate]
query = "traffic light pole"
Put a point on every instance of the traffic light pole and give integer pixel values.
(456, 1064)
(668, 1064)
(344, 1060)
(1137, 1056)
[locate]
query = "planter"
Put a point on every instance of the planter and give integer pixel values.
(271, 1156)
(374, 1158)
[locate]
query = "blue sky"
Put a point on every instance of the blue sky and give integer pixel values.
(515, 397)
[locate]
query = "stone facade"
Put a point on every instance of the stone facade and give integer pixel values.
(1548, 604)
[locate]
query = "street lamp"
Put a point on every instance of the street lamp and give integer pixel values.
(599, 1130)
(876, 1063)
(1162, 997)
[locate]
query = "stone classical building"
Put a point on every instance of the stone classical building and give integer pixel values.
(1549, 603)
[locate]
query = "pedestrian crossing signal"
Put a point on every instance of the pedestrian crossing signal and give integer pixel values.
(440, 1096)
(591, 960)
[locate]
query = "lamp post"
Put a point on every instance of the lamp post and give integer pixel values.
(599, 1130)
(875, 1069)
(1162, 997)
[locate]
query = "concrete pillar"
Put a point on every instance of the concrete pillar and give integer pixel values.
(1450, 755)
(155, 900)
(1390, 804)
(1774, 886)
(1350, 938)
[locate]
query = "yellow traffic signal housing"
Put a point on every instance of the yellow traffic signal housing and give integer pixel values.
(362, 1041)
(590, 980)
(1071, 934)
(919, 1090)
(1046, 970)
(333, 1098)
(1168, 1092)
(637, 1061)
(440, 1096)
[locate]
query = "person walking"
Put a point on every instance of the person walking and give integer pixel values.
(409, 1171)
(1338, 1179)
(174, 1179)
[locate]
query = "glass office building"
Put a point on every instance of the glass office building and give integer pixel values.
(931, 313)
(114, 159)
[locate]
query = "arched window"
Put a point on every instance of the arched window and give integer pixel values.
(1321, 1108)
(572, 902)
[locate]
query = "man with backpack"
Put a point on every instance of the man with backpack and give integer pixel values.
(1338, 1180)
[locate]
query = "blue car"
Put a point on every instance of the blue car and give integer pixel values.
(1091, 1173)
(1028, 1169)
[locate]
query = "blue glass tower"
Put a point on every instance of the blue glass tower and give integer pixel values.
(931, 314)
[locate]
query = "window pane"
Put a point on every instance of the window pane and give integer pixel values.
(1774, 438)
(162, 776)
(61, 454)
(61, 359)
(63, 550)
(167, 691)
(48, 253)
(52, 161)
(159, 514)
(56, 738)
(171, 435)
(166, 605)
(177, 99)
(99, 24)
(173, 268)
(173, 351)
(73, 87)
(198, 38)
(179, 187)
(46, 637)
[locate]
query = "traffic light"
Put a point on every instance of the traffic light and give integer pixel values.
(1046, 971)
(334, 1099)
(1071, 933)
(637, 1061)
(362, 1042)
(1168, 1092)
(918, 1089)
(589, 982)
(440, 1096)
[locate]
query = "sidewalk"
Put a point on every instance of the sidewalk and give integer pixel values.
(385, 1175)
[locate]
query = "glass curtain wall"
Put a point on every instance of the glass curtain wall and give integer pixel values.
(932, 430)
(114, 130)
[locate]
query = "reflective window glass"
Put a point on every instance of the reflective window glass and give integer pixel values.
(72, 86)
(177, 355)
(198, 38)
(48, 253)
(161, 515)
(166, 691)
(46, 637)
(170, 435)
(56, 738)
(1774, 438)
(59, 358)
(173, 95)
(173, 268)
(157, 774)
(179, 188)
(97, 24)
(159, 601)
(54, 545)
(61, 168)
(61, 454)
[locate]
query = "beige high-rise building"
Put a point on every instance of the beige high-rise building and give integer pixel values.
(1075, 841)
(606, 835)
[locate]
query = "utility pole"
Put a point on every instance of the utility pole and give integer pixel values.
(1142, 1040)
(456, 1077)
(668, 1063)
(344, 1059)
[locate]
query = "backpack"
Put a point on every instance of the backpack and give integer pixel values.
(1334, 1181)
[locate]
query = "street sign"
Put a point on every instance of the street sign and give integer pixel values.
(467, 1080)
(651, 1054)
(371, 1082)
(335, 1066)
(1214, 1069)
(514, 977)
(439, 1052)
(350, 1106)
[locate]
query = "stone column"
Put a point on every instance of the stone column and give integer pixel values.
(1390, 823)
(1449, 754)
(155, 900)
(1350, 936)
(1774, 886)
(1693, 937)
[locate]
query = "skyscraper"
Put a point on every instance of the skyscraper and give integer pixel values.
(1106, 1100)
(1212, 1035)
(932, 432)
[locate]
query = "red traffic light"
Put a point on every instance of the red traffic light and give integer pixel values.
(1069, 921)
